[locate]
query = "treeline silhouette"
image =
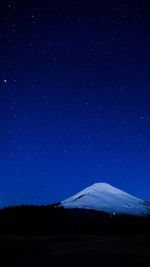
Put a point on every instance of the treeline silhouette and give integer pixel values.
(52, 220)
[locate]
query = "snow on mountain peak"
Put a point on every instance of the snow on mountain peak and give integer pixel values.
(104, 197)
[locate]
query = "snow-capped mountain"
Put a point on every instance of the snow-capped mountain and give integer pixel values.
(106, 198)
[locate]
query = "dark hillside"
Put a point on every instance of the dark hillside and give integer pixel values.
(49, 220)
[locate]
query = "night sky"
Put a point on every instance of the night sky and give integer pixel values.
(74, 98)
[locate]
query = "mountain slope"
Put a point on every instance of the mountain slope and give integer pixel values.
(104, 197)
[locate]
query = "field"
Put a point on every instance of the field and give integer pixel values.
(74, 250)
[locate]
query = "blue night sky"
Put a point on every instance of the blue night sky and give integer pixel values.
(74, 98)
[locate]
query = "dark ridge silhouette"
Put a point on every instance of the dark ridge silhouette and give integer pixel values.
(51, 219)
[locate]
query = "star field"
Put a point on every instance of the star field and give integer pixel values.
(74, 98)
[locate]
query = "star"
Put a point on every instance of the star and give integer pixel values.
(5, 81)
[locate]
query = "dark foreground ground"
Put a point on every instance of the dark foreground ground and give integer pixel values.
(74, 250)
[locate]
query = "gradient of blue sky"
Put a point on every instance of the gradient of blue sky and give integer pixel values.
(74, 98)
